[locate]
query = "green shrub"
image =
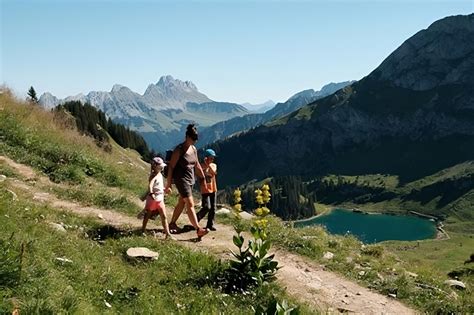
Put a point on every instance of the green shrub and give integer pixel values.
(275, 308)
(253, 266)
(372, 250)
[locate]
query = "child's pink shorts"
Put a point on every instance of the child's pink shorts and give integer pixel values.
(152, 205)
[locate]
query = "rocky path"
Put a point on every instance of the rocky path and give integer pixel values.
(303, 279)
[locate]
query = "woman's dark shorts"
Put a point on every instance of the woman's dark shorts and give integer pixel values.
(185, 190)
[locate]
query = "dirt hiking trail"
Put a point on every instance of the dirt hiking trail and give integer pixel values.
(305, 280)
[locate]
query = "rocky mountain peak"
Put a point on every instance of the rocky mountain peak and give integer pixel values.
(117, 87)
(48, 100)
(442, 54)
(167, 82)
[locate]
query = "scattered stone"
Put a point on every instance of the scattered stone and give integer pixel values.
(307, 270)
(359, 293)
(361, 273)
(64, 260)
(107, 304)
(100, 216)
(411, 274)
(349, 259)
(456, 284)
(110, 292)
(137, 252)
(245, 215)
(381, 278)
(328, 255)
(309, 237)
(2, 178)
(392, 295)
(223, 211)
(57, 227)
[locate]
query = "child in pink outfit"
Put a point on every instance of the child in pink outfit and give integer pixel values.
(154, 202)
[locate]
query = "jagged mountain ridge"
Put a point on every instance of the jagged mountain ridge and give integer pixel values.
(161, 113)
(404, 118)
(235, 125)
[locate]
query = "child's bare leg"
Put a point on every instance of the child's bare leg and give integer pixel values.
(164, 222)
(145, 221)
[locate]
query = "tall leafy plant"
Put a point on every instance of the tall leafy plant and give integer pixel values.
(253, 265)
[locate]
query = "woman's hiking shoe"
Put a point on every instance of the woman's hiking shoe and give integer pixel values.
(173, 228)
(201, 232)
(211, 228)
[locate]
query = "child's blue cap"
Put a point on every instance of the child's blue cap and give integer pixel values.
(210, 152)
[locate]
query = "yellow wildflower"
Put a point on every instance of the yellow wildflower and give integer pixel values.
(237, 193)
(259, 211)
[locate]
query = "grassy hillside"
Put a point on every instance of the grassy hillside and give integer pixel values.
(45, 271)
(34, 280)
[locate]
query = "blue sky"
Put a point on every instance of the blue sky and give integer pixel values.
(237, 51)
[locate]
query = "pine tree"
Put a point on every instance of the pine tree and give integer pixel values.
(32, 95)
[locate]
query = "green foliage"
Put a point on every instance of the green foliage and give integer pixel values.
(32, 97)
(10, 262)
(275, 308)
(253, 266)
(93, 122)
(61, 162)
(372, 250)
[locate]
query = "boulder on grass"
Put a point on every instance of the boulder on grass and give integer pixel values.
(456, 284)
(141, 252)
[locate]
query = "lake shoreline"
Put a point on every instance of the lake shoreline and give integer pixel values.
(438, 233)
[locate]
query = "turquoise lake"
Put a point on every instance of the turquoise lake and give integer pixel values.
(373, 228)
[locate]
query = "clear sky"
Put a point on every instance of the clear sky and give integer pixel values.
(236, 51)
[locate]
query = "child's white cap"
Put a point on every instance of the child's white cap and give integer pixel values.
(158, 161)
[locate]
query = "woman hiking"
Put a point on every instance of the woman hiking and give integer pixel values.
(184, 162)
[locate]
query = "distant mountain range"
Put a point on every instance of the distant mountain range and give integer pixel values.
(161, 113)
(235, 125)
(412, 116)
(259, 108)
